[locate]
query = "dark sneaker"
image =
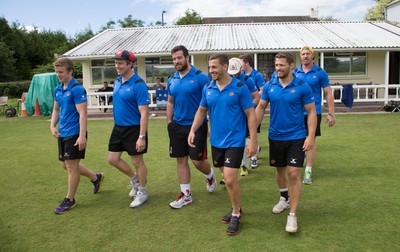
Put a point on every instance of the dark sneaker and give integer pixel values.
(65, 206)
(234, 226)
(97, 183)
(227, 217)
(254, 163)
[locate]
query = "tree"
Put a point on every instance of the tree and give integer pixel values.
(378, 11)
(7, 63)
(191, 17)
(110, 25)
(83, 36)
(23, 51)
(129, 22)
(328, 18)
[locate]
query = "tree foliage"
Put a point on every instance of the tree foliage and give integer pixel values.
(191, 17)
(130, 22)
(24, 53)
(378, 11)
(328, 18)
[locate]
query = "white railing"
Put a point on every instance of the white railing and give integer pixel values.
(362, 93)
(369, 93)
(94, 101)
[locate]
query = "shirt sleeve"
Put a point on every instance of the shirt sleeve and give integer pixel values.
(323, 78)
(203, 101)
(246, 101)
(308, 96)
(142, 94)
(264, 94)
(79, 94)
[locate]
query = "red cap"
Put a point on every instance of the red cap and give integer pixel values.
(124, 55)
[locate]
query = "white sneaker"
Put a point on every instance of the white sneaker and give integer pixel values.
(135, 185)
(181, 201)
(211, 184)
(139, 200)
(291, 224)
(281, 206)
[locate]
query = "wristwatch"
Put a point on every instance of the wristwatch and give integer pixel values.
(333, 115)
(142, 137)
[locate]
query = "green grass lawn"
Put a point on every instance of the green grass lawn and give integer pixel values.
(351, 206)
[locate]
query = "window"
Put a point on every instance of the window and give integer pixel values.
(266, 64)
(159, 67)
(345, 63)
(104, 70)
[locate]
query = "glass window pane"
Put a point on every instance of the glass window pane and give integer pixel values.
(162, 72)
(337, 66)
(358, 66)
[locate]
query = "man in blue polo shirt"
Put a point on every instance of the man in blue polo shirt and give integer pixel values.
(235, 69)
(131, 108)
(318, 80)
(248, 69)
(288, 97)
(70, 113)
(228, 102)
(184, 95)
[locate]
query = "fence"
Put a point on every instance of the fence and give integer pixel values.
(362, 93)
(369, 93)
(95, 102)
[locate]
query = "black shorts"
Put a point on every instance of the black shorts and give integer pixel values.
(227, 157)
(286, 153)
(247, 129)
(123, 138)
(318, 129)
(67, 150)
(178, 141)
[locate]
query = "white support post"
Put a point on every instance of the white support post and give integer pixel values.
(387, 56)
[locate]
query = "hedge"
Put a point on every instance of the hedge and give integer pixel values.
(14, 89)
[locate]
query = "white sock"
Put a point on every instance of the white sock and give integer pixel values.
(236, 215)
(135, 177)
(209, 176)
(142, 189)
(308, 168)
(185, 188)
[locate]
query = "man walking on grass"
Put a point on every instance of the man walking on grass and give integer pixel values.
(228, 102)
(288, 97)
(184, 95)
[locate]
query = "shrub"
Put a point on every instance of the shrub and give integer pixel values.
(14, 89)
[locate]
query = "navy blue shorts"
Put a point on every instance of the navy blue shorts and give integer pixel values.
(227, 157)
(123, 138)
(178, 141)
(67, 150)
(286, 153)
(318, 129)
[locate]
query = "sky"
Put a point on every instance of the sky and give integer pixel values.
(74, 16)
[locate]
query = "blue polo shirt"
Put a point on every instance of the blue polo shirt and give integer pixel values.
(317, 79)
(67, 100)
(248, 81)
(127, 97)
(187, 94)
(286, 108)
(258, 78)
(226, 110)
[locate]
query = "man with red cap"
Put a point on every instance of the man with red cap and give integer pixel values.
(131, 107)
